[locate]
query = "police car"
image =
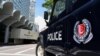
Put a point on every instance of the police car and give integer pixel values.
(73, 29)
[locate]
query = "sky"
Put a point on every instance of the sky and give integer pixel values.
(39, 12)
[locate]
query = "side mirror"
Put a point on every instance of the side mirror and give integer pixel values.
(45, 15)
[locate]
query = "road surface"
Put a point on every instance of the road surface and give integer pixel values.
(18, 50)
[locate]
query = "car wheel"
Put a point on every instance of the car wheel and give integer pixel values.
(39, 50)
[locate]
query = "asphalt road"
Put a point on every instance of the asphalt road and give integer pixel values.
(18, 50)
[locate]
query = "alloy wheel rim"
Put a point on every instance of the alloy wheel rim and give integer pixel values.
(40, 51)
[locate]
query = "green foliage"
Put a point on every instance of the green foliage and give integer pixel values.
(48, 4)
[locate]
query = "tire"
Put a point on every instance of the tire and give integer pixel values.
(39, 50)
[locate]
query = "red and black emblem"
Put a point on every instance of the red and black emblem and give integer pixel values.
(81, 29)
(82, 32)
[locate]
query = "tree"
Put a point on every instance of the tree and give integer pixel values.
(48, 4)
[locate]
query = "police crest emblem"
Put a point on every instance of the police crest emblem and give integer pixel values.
(82, 32)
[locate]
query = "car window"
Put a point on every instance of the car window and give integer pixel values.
(59, 7)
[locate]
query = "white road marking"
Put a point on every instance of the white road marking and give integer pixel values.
(16, 54)
(18, 50)
(24, 50)
(11, 49)
(8, 47)
(3, 47)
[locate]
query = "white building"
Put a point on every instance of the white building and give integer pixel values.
(16, 14)
(32, 10)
